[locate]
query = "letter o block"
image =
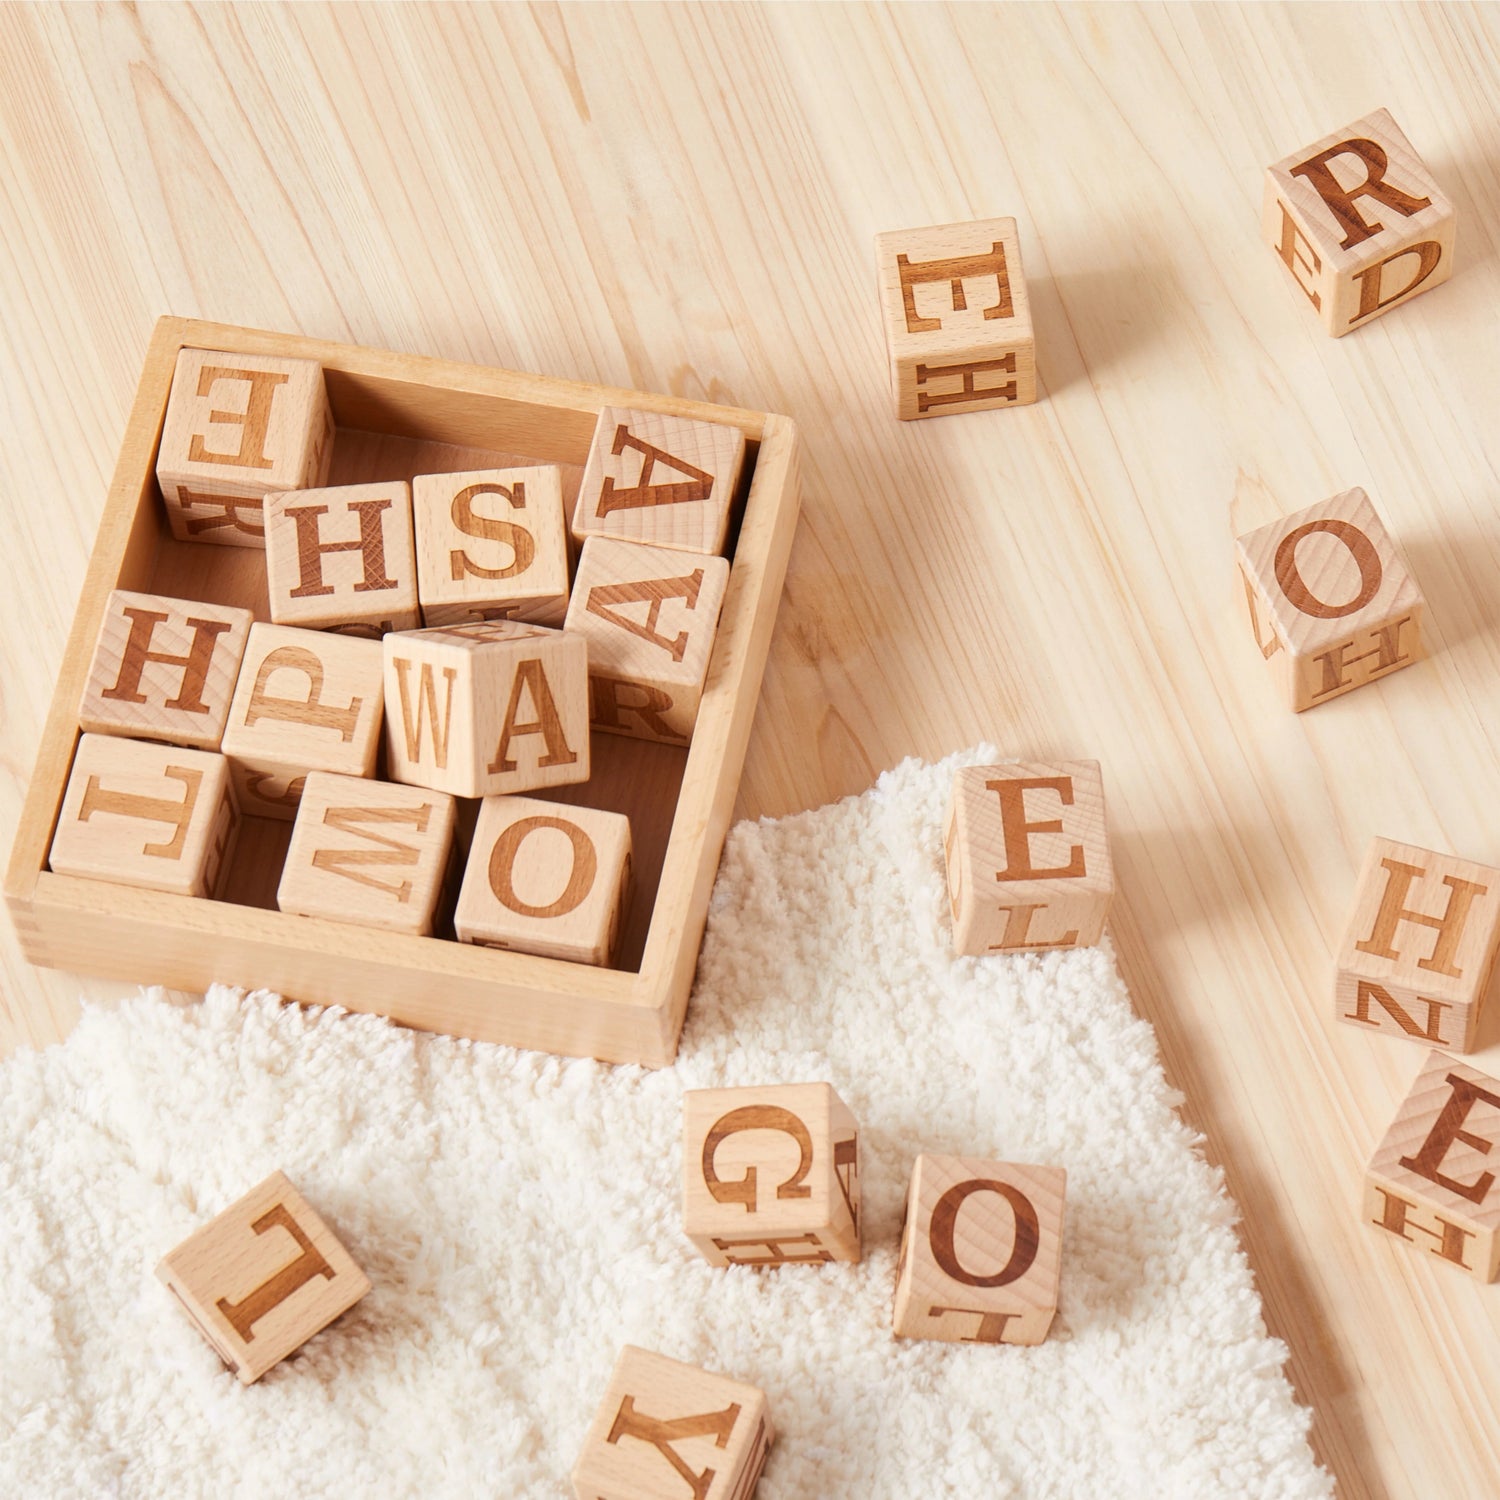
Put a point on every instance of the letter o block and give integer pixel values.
(1328, 594)
(1359, 222)
(770, 1176)
(981, 1252)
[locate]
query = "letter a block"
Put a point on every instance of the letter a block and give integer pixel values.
(1328, 592)
(263, 1278)
(770, 1175)
(1359, 222)
(666, 481)
(957, 318)
(981, 1252)
(669, 1431)
(1432, 1181)
(238, 428)
(1028, 858)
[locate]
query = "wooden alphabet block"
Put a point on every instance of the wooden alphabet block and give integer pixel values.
(770, 1176)
(666, 481)
(1359, 222)
(649, 616)
(547, 878)
(670, 1431)
(149, 815)
(492, 545)
(164, 669)
(343, 559)
(238, 428)
(1327, 590)
(981, 1252)
(487, 709)
(368, 852)
(1028, 857)
(263, 1277)
(957, 318)
(306, 701)
(1432, 1180)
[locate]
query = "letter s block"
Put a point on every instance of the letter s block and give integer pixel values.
(770, 1175)
(1359, 222)
(263, 1277)
(1328, 592)
(981, 1252)
(670, 1431)
(1432, 1182)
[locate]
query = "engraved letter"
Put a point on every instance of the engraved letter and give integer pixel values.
(427, 706)
(699, 487)
(1360, 547)
(349, 862)
(1393, 911)
(1290, 250)
(662, 1432)
(654, 592)
(945, 1219)
(531, 677)
(194, 664)
(517, 538)
(370, 543)
(1340, 201)
(154, 809)
(271, 1293)
(309, 710)
(580, 876)
(1428, 253)
(607, 703)
(1447, 1128)
(1012, 794)
(1365, 992)
(953, 271)
(253, 423)
(757, 1117)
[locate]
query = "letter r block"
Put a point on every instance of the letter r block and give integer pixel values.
(1359, 222)
(770, 1176)
(670, 1431)
(1329, 595)
(262, 1278)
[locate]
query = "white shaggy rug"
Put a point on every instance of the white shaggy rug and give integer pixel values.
(518, 1216)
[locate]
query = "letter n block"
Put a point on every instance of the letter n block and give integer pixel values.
(670, 1431)
(981, 1252)
(957, 318)
(263, 1278)
(1028, 857)
(1359, 222)
(770, 1176)
(1330, 596)
(1432, 1180)
(239, 427)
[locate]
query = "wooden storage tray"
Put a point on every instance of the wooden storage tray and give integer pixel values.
(396, 415)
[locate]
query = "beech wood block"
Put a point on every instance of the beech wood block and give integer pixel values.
(239, 427)
(666, 481)
(1359, 222)
(981, 1251)
(306, 701)
(1028, 857)
(368, 852)
(263, 1277)
(487, 709)
(492, 544)
(670, 1431)
(164, 669)
(1328, 593)
(649, 616)
(343, 559)
(147, 815)
(547, 878)
(770, 1175)
(957, 318)
(1432, 1180)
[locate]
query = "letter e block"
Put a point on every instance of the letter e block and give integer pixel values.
(670, 1431)
(957, 318)
(1432, 1180)
(981, 1252)
(1359, 222)
(263, 1278)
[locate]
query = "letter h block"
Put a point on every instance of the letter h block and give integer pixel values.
(263, 1278)
(670, 1431)
(981, 1252)
(770, 1176)
(1329, 594)
(1359, 222)
(1432, 1182)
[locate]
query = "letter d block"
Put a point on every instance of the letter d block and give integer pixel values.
(1359, 222)
(981, 1252)
(263, 1278)
(1328, 593)
(1432, 1180)
(770, 1176)
(670, 1431)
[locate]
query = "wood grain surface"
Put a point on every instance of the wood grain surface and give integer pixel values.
(685, 199)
